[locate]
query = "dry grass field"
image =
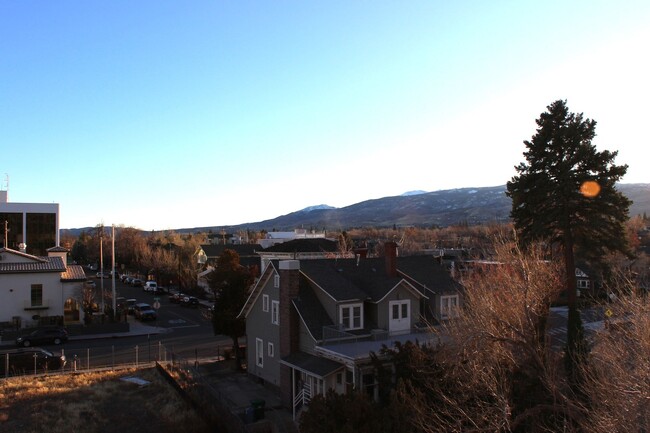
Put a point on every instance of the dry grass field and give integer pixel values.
(95, 403)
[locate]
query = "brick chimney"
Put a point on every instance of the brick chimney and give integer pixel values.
(289, 343)
(390, 252)
(289, 286)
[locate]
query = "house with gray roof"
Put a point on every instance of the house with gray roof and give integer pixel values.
(208, 254)
(39, 289)
(312, 324)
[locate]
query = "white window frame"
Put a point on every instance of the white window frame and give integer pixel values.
(265, 303)
(583, 284)
(399, 316)
(276, 281)
(403, 309)
(275, 312)
(36, 295)
(350, 319)
(446, 311)
(270, 349)
(259, 352)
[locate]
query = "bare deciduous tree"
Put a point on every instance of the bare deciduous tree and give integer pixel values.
(495, 370)
(617, 379)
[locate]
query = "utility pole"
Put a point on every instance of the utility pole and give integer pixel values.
(101, 265)
(6, 232)
(113, 267)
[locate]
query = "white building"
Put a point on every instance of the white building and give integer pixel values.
(39, 290)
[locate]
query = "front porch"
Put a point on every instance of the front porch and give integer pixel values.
(342, 365)
(310, 376)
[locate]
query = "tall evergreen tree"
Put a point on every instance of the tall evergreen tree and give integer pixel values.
(565, 193)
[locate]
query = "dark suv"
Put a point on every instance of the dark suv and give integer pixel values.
(30, 360)
(143, 311)
(51, 335)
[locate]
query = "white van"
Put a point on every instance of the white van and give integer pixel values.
(150, 286)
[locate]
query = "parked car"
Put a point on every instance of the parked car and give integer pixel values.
(150, 286)
(30, 360)
(102, 275)
(49, 335)
(130, 306)
(143, 311)
(176, 298)
(190, 301)
(136, 282)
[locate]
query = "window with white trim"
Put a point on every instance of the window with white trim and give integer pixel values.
(276, 281)
(583, 284)
(37, 295)
(270, 350)
(259, 352)
(351, 316)
(275, 312)
(400, 310)
(448, 306)
(265, 303)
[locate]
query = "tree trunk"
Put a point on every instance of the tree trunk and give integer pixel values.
(575, 346)
(570, 270)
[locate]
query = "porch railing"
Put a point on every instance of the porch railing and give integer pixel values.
(302, 399)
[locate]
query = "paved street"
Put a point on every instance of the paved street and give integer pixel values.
(185, 332)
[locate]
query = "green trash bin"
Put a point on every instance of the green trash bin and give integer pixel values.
(258, 408)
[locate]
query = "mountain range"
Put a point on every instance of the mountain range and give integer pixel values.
(417, 208)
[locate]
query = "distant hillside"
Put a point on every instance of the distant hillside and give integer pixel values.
(439, 208)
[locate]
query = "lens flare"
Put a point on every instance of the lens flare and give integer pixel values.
(590, 189)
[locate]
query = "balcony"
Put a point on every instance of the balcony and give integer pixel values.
(356, 348)
(336, 334)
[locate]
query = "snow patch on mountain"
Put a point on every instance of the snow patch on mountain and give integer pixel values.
(416, 192)
(317, 207)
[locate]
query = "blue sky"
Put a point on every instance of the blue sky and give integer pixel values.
(166, 114)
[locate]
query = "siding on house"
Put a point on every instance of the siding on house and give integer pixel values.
(401, 293)
(307, 343)
(260, 326)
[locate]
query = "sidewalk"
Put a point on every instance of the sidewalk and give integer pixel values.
(136, 328)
